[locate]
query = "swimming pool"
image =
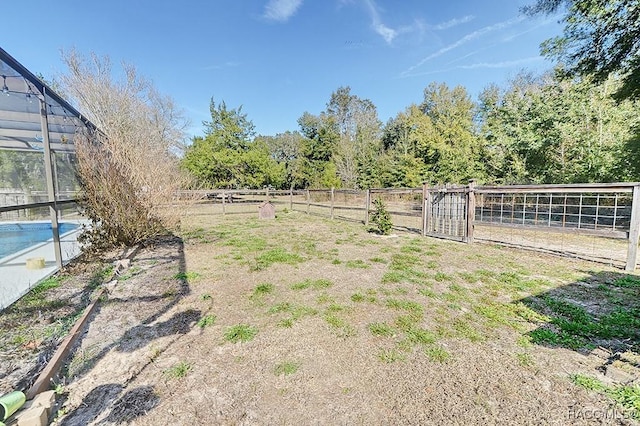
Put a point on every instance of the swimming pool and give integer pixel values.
(18, 236)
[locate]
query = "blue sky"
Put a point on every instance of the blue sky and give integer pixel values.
(280, 58)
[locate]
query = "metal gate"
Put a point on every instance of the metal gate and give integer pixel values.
(446, 212)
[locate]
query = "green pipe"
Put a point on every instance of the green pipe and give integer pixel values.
(10, 403)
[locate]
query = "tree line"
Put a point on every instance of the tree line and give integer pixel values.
(537, 129)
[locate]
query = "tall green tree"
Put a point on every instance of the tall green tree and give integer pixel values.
(550, 130)
(600, 38)
(511, 145)
(228, 128)
(315, 168)
(321, 136)
(341, 145)
(398, 170)
(286, 149)
(435, 141)
(447, 142)
(227, 157)
(359, 130)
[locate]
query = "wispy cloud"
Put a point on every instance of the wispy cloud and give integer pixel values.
(466, 39)
(453, 22)
(387, 33)
(502, 64)
(281, 10)
(472, 53)
(478, 65)
(228, 64)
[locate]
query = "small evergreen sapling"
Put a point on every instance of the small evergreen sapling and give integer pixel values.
(381, 217)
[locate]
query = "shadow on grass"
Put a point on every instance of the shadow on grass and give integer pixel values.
(131, 405)
(602, 310)
(155, 300)
(140, 335)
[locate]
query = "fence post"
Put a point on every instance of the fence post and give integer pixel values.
(367, 204)
(291, 198)
(425, 194)
(332, 201)
(308, 200)
(471, 210)
(634, 231)
(224, 197)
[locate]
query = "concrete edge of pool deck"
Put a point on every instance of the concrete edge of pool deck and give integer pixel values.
(16, 280)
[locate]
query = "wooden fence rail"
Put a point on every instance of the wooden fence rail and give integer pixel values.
(456, 212)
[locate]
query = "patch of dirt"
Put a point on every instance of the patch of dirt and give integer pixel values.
(148, 359)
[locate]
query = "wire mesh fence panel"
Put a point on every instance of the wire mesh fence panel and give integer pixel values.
(232, 201)
(610, 251)
(590, 222)
(604, 212)
(320, 196)
(341, 204)
(224, 202)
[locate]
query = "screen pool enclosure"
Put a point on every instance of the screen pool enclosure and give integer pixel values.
(39, 216)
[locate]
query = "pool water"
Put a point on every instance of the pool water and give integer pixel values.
(18, 236)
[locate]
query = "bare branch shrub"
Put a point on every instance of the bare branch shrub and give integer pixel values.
(130, 174)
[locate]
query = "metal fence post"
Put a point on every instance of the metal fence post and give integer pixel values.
(291, 199)
(367, 205)
(308, 201)
(634, 231)
(224, 196)
(332, 201)
(471, 210)
(425, 194)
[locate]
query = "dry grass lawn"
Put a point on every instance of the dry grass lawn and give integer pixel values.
(305, 320)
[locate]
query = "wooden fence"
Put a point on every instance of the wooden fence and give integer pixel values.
(527, 216)
(404, 204)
